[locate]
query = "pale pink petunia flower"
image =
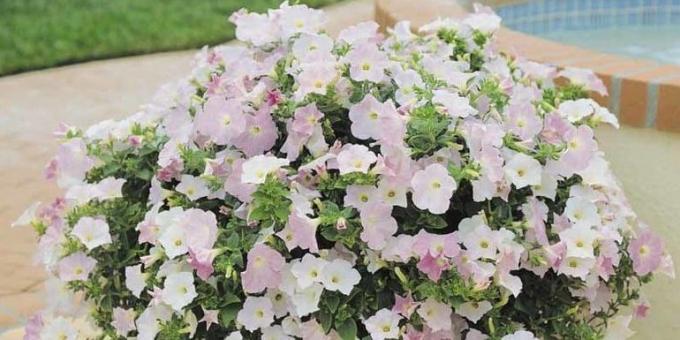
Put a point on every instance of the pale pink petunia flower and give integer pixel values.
(392, 191)
(433, 266)
(425, 243)
(433, 188)
(365, 31)
(123, 321)
(407, 81)
(33, 327)
(358, 196)
(378, 225)
(298, 19)
(296, 140)
(367, 62)
(259, 136)
(201, 260)
(646, 250)
(315, 78)
(303, 231)
(355, 158)
(235, 186)
(76, 267)
(368, 117)
(436, 315)
(455, 105)
(311, 46)
(72, 162)
(481, 242)
(581, 148)
(523, 121)
(221, 120)
(263, 269)
(255, 28)
(404, 305)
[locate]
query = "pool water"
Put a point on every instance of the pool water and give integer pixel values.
(661, 43)
(638, 28)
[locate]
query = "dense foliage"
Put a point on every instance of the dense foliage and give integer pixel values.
(407, 186)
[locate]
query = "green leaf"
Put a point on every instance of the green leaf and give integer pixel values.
(326, 321)
(332, 301)
(228, 314)
(347, 330)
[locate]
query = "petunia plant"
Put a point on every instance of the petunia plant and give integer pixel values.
(395, 186)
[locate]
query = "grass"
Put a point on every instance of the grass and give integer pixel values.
(37, 34)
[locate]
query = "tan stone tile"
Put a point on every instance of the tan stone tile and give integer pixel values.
(21, 306)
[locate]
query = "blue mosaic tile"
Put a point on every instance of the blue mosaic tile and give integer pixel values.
(544, 16)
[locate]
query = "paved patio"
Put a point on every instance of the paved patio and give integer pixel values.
(33, 104)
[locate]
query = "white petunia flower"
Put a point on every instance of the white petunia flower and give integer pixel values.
(340, 275)
(235, 335)
(59, 328)
(256, 169)
(279, 301)
(523, 170)
(618, 328)
(306, 301)
(92, 232)
(173, 240)
(383, 325)
(275, 333)
(135, 280)
(193, 187)
(257, 313)
(179, 290)
(581, 212)
(580, 241)
(576, 266)
(520, 335)
(474, 311)
(28, 216)
(308, 271)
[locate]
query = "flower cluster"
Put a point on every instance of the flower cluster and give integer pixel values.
(395, 186)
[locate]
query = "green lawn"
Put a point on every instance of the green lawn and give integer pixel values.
(37, 34)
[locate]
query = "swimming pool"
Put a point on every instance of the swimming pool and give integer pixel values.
(638, 28)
